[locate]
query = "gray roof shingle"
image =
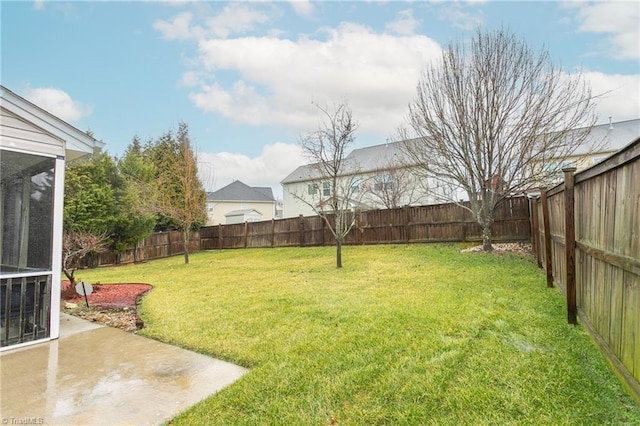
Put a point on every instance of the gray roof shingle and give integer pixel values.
(605, 138)
(238, 191)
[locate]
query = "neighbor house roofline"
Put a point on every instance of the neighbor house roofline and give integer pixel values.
(238, 191)
(607, 138)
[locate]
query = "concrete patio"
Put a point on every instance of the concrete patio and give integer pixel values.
(97, 375)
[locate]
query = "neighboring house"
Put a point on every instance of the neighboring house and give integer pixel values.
(238, 196)
(242, 216)
(381, 178)
(378, 177)
(603, 140)
(34, 146)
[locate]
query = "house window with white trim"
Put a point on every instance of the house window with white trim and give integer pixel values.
(383, 182)
(326, 189)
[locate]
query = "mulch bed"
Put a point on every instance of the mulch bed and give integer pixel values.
(109, 304)
(500, 248)
(112, 296)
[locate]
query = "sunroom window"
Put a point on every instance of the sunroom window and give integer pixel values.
(26, 239)
(26, 211)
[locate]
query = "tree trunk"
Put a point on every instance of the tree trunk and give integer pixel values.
(486, 238)
(338, 254)
(186, 246)
(70, 274)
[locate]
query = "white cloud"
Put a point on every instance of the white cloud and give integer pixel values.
(618, 96)
(179, 28)
(619, 20)
(38, 4)
(302, 7)
(277, 79)
(190, 79)
(404, 24)
(57, 102)
(460, 18)
(273, 164)
(233, 18)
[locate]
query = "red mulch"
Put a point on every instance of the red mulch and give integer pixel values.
(108, 296)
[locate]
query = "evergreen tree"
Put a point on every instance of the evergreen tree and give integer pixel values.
(135, 219)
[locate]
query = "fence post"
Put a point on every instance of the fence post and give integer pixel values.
(463, 224)
(407, 225)
(547, 238)
(273, 231)
(245, 234)
(301, 230)
(570, 244)
(220, 228)
(533, 210)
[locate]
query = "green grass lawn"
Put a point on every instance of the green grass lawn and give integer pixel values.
(415, 335)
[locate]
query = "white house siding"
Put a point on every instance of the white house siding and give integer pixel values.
(295, 206)
(21, 135)
(292, 206)
(216, 210)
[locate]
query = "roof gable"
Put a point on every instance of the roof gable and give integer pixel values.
(238, 191)
(362, 160)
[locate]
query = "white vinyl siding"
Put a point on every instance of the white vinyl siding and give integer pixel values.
(19, 135)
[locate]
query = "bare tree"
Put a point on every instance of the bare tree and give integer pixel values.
(76, 245)
(181, 195)
(332, 189)
(492, 118)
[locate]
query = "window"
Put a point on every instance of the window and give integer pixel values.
(26, 238)
(554, 169)
(312, 189)
(383, 182)
(27, 192)
(326, 189)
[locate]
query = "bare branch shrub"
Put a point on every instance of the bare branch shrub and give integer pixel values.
(76, 246)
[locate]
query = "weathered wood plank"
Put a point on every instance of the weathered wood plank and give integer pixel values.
(627, 263)
(547, 238)
(570, 248)
(630, 321)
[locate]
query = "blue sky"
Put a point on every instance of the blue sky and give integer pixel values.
(244, 75)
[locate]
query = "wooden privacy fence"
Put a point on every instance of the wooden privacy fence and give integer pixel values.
(587, 237)
(433, 223)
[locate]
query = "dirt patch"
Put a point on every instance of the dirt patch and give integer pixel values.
(520, 248)
(109, 304)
